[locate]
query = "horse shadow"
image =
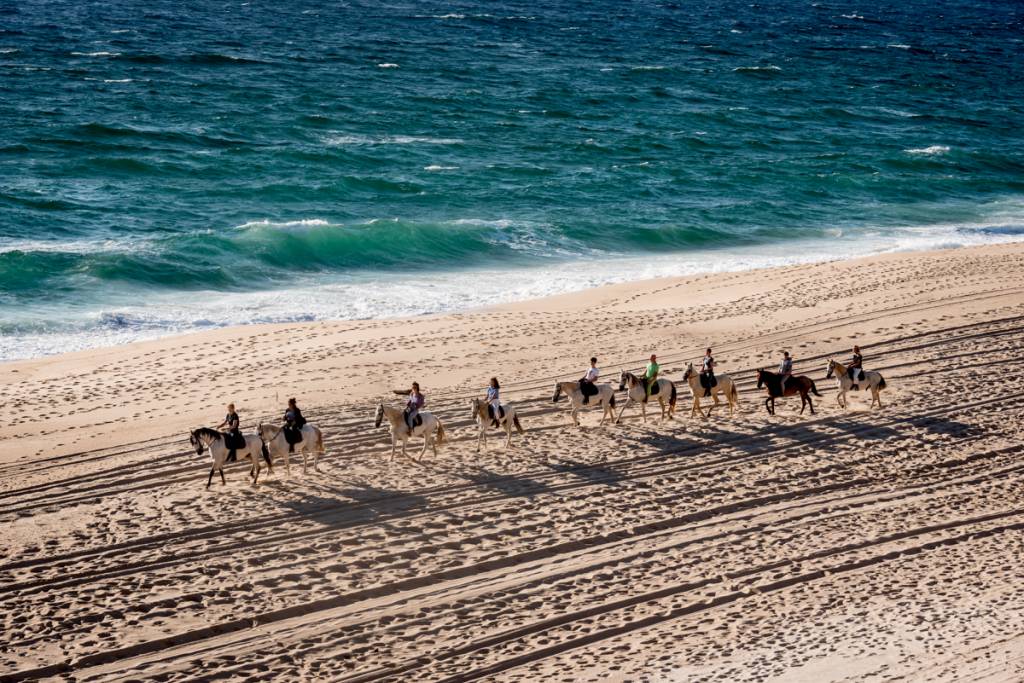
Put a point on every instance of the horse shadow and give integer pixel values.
(594, 473)
(507, 484)
(342, 507)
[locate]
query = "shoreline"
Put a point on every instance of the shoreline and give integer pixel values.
(194, 374)
(452, 292)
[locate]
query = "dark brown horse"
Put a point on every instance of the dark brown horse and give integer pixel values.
(794, 384)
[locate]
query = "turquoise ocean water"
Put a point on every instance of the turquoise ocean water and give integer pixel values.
(170, 166)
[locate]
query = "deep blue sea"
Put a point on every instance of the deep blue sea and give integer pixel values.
(168, 166)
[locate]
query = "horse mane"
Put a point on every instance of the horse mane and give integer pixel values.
(206, 431)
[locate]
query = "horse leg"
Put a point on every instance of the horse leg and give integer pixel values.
(256, 466)
(222, 482)
(303, 457)
(508, 431)
(810, 404)
(210, 479)
(287, 462)
(619, 418)
(643, 411)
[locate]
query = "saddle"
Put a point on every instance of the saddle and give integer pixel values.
(233, 440)
(708, 380)
(490, 412)
(857, 374)
(588, 388)
(416, 421)
(292, 435)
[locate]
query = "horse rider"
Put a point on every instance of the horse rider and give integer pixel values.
(650, 376)
(494, 401)
(234, 433)
(785, 369)
(413, 405)
(589, 380)
(856, 368)
(293, 422)
(707, 369)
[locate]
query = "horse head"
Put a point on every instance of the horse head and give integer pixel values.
(623, 376)
(760, 377)
(474, 404)
(689, 373)
(558, 392)
(259, 430)
(193, 439)
(380, 415)
(830, 369)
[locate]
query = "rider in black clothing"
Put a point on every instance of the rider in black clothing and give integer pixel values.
(856, 368)
(233, 435)
(293, 421)
(707, 369)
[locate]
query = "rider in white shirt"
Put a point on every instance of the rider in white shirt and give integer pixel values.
(589, 379)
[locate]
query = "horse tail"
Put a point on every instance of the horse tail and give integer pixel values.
(672, 398)
(735, 394)
(611, 401)
(320, 441)
(814, 389)
(440, 433)
(519, 427)
(881, 382)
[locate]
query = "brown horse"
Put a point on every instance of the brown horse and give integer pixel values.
(794, 384)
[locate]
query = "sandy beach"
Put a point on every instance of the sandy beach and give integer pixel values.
(848, 545)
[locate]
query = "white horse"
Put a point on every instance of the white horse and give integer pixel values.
(204, 438)
(872, 380)
(400, 431)
(312, 442)
(605, 398)
(661, 388)
(725, 386)
(483, 421)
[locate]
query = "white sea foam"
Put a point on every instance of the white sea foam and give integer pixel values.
(118, 80)
(438, 167)
(387, 65)
(649, 68)
(96, 54)
(389, 294)
(931, 150)
(769, 67)
(340, 140)
(853, 16)
(8, 50)
(898, 46)
(265, 223)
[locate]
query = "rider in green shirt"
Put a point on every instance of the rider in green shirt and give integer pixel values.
(650, 376)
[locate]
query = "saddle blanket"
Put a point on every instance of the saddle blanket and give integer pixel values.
(708, 380)
(490, 411)
(588, 389)
(292, 436)
(234, 440)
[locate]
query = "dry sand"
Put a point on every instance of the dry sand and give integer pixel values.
(848, 545)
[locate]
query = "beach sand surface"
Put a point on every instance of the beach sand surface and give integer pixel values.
(857, 544)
